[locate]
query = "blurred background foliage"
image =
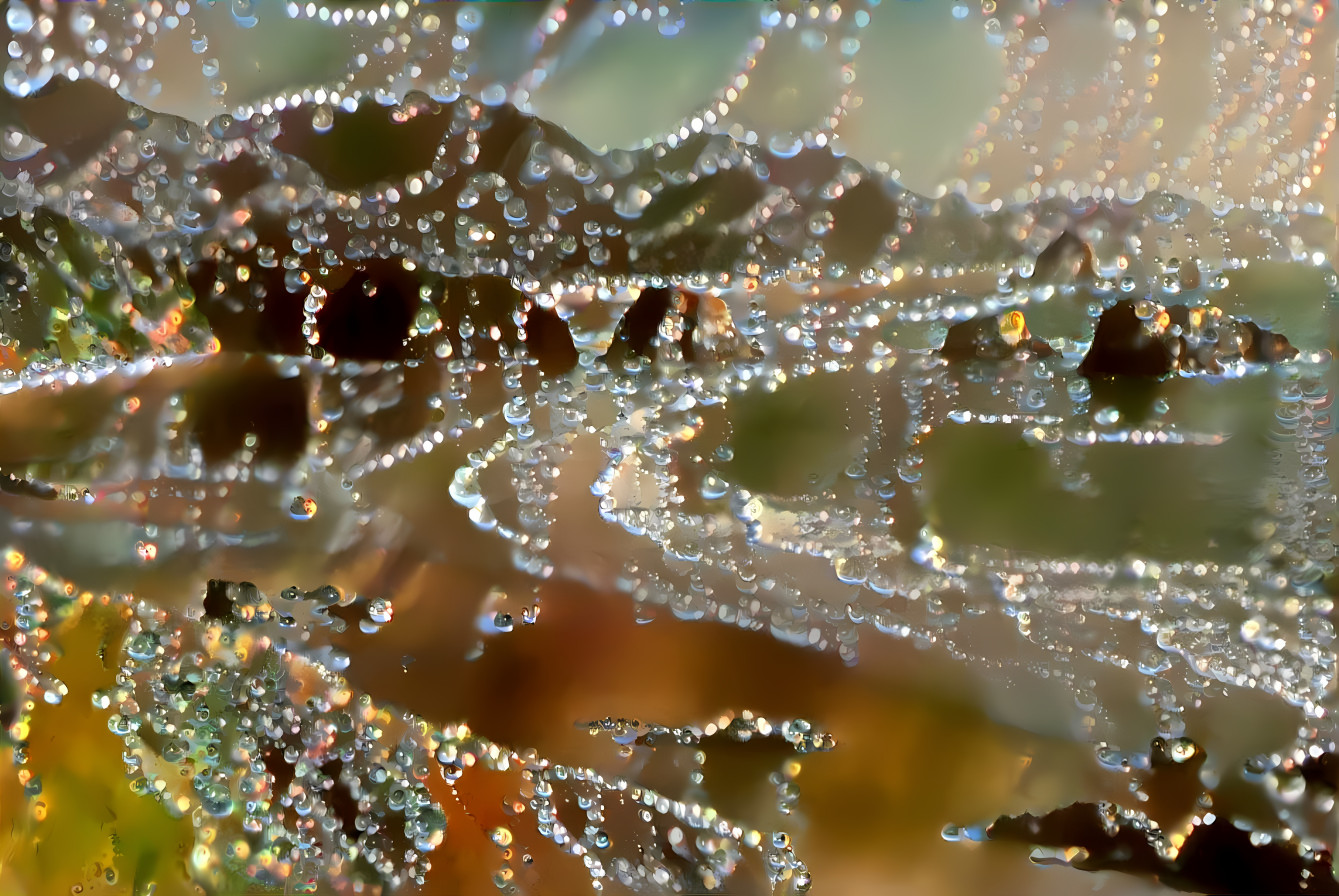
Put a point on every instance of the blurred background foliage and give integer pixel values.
(923, 740)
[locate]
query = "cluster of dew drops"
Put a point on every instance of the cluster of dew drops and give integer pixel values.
(409, 236)
(238, 718)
